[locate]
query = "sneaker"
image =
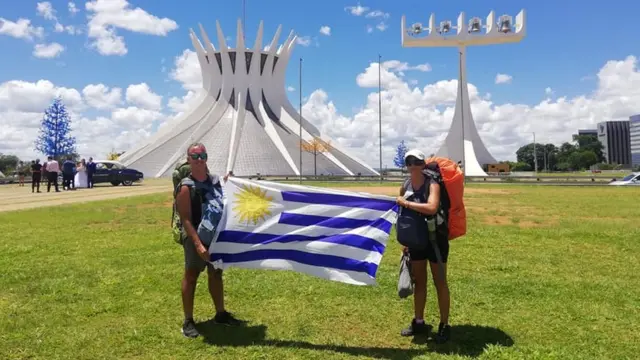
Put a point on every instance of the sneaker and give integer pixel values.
(444, 333)
(415, 328)
(226, 318)
(189, 329)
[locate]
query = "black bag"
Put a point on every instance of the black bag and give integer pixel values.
(411, 229)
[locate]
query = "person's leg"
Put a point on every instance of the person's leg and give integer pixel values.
(216, 288)
(419, 273)
(33, 183)
(193, 266)
(38, 180)
(439, 274)
(55, 181)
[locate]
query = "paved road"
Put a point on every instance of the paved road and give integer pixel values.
(13, 197)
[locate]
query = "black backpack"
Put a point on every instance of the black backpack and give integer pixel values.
(411, 226)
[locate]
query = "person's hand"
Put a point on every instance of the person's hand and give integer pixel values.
(226, 177)
(401, 201)
(203, 252)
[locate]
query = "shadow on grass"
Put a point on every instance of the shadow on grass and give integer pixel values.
(469, 340)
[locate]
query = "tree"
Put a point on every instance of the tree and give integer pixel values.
(401, 150)
(545, 154)
(8, 163)
(315, 147)
(590, 143)
(55, 132)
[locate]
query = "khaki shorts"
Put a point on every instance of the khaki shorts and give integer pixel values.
(193, 261)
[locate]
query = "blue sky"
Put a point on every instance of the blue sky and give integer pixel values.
(564, 48)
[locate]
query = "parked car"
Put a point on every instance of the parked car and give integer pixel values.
(632, 179)
(114, 172)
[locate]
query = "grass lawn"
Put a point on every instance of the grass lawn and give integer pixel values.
(544, 273)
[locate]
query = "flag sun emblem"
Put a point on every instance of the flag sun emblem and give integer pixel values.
(252, 205)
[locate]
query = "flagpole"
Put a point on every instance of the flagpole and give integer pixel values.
(380, 111)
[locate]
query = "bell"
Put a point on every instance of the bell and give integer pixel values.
(445, 26)
(416, 28)
(475, 25)
(505, 24)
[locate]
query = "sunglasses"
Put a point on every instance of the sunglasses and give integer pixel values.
(196, 156)
(412, 161)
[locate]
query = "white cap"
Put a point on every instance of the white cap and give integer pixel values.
(415, 153)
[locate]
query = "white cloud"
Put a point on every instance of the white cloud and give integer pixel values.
(291, 89)
(48, 51)
(325, 30)
(548, 91)
(377, 13)
(356, 10)
(71, 6)
(503, 79)
(422, 116)
(45, 9)
(101, 97)
(69, 29)
(419, 115)
(21, 29)
(369, 29)
(108, 15)
(382, 26)
(303, 40)
(141, 96)
(187, 70)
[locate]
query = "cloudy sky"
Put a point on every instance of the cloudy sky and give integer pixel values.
(125, 67)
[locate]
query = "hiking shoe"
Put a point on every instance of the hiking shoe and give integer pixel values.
(226, 318)
(189, 329)
(444, 333)
(415, 328)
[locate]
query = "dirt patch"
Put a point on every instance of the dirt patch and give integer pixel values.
(497, 220)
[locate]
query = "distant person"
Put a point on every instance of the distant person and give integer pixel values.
(68, 167)
(199, 203)
(20, 175)
(91, 169)
(425, 201)
(36, 175)
(80, 178)
(53, 168)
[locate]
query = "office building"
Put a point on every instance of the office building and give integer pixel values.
(634, 136)
(589, 132)
(614, 136)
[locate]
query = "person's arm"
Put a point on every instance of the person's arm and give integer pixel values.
(184, 210)
(402, 190)
(431, 206)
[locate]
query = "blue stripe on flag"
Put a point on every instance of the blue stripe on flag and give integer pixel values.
(356, 241)
(331, 221)
(338, 200)
(319, 260)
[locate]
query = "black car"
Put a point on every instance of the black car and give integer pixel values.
(113, 172)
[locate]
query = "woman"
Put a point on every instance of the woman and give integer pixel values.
(80, 180)
(426, 201)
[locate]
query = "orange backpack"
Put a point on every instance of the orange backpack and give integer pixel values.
(453, 178)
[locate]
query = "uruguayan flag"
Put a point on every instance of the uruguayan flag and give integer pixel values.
(336, 235)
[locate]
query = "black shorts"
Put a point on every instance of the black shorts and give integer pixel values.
(429, 253)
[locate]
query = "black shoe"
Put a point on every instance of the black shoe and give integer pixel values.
(444, 333)
(415, 328)
(189, 329)
(226, 318)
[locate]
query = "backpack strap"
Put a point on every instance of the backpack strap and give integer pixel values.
(187, 181)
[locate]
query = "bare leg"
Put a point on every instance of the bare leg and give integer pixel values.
(419, 271)
(442, 288)
(216, 288)
(189, 283)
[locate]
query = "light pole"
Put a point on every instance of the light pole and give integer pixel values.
(462, 126)
(535, 154)
(380, 110)
(300, 116)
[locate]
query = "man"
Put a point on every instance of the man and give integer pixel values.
(206, 203)
(67, 174)
(53, 168)
(36, 175)
(91, 169)
(426, 202)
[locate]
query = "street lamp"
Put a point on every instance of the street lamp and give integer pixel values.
(463, 132)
